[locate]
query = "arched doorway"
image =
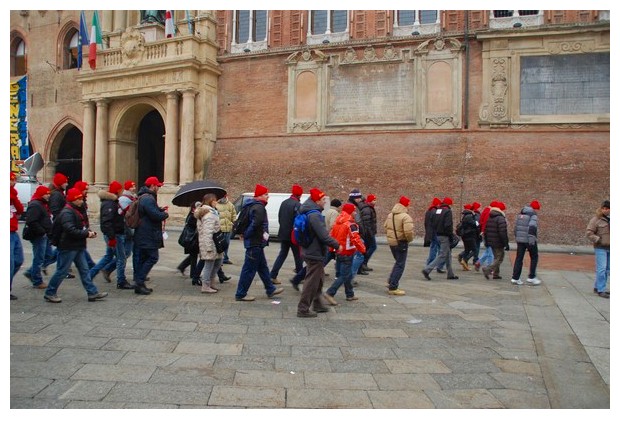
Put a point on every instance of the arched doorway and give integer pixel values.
(69, 157)
(151, 133)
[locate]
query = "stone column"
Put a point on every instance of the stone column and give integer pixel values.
(106, 20)
(88, 143)
(101, 144)
(120, 20)
(171, 148)
(186, 165)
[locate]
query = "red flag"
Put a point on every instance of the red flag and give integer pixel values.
(169, 24)
(95, 39)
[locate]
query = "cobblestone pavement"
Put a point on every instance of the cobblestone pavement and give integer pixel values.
(470, 343)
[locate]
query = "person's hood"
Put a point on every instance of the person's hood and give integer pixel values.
(309, 205)
(527, 210)
(105, 195)
(343, 217)
(399, 208)
(496, 212)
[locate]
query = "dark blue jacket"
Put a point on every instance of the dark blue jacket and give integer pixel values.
(38, 218)
(148, 233)
(74, 228)
(258, 224)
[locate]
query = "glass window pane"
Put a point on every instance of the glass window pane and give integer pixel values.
(339, 21)
(74, 40)
(502, 13)
(21, 48)
(528, 12)
(260, 25)
(243, 26)
(428, 16)
(319, 21)
(406, 17)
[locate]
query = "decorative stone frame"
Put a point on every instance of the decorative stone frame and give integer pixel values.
(501, 65)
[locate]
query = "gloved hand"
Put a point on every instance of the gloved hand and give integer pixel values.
(112, 242)
(507, 248)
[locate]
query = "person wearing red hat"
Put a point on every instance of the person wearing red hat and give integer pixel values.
(73, 232)
(496, 237)
(255, 239)
(148, 235)
(58, 190)
(443, 225)
(286, 216)
(430, 237)
(112, 225)
(399, 230)
(369, 218)
(38, 226)
(598, 233)
(475, 206)
(487, 257)
(526, 236)
(17, 251)
(468, 230)
(311, 300)
(124, 201)
(346, 231)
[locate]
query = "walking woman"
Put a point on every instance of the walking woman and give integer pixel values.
(190, 248)
(208, 223)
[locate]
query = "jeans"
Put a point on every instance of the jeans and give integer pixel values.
(345, 278)
(39, 248)
(17, 255)
(227, 241)
(358, 260)
(399, 252)
(254, 263)
(107, 260)
(444, 256)
(521, 249)
(433, 251)
(211, 267)
(285, 246)
(63, 263)
(601, 257)
(143, 260)
(371, 246)
(51, 253)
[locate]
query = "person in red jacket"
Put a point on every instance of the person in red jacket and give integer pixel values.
(17, 251)
(346, 231)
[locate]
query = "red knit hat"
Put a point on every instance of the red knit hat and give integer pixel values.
(316, 194)
(501, 206)
(467, 207)
(150, 181)
(297, 190)
(475, 205)
(535, 205)
(447, 201)
(494, 203)
(60, 179)
(80, 185)
(404, 201)
(74, 194)
(348, 207)
(129, 184)
(115, 187)
(370, 198)
(436, 202)
(40, 192)
(260, 190)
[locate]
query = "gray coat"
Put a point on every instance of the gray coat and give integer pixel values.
(321, 238)
(526, 226)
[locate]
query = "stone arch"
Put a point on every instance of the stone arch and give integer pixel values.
(63, 150)
(62, 43)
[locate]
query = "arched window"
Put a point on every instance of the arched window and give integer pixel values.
(70, 50)
(250, 28)
(18, 57)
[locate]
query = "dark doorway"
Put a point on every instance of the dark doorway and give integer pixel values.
(151, 147)
(69, 158)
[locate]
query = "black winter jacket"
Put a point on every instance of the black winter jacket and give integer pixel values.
(321, 239)
(442, 221)
(369, 221)
(469, 228)
(496, 230)
(57, 200)
(286, 216)
(148, 234)
(111, 220)
(38, 218)
(74, 229)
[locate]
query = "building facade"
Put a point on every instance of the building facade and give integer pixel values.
(476, 105)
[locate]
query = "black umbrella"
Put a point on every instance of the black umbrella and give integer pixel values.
(189, 193)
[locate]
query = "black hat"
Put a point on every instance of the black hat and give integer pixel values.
(336, 202)
(605, 204)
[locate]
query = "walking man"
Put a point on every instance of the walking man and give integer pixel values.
(598, 233)
(17, 251)
(526, 236)
(255, 239)
(430, 236)
(369, 217)
(39, 225)
(148, 237)
(73, 232)
(314, 255)
(443, 225)
(286, 216)
(399, 230)
(496, 237)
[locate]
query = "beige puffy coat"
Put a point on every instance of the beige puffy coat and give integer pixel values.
(404, 225)
(208, 223)
(228, 214)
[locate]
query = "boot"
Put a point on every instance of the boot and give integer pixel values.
(140, 289)
(206, 288)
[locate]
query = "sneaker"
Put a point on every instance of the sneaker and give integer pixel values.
(330, 299)
(596, 291)
(13, 297)
(516, 282)
(535, 281)
(97, 296)
(396, 292)
(604, 295)
(477, 266)
(70, 276)
(295, 286)
(353, 298)
(426, 276)
(464, 264)
(207, 289)
(276, 281)
(106, 276)
(278, 291)
(246, 298)
(52, 298)
(306, 314)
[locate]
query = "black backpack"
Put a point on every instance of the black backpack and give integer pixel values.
(242, 222)
(56, 233)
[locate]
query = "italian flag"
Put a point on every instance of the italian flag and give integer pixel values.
(95, 39)
(169, 24)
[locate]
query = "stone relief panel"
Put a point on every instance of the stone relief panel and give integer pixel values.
(305, 76)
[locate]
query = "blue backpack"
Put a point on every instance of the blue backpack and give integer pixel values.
(302, 233)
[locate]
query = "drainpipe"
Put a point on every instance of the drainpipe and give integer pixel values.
(466, 109)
